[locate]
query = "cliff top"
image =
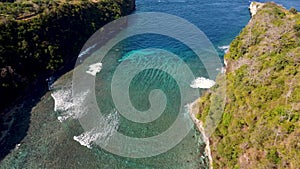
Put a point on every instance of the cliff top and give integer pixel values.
(28, 9)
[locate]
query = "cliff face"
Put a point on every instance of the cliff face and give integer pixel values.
(260, 127)
(40, 37)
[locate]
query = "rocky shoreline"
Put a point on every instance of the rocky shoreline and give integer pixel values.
(193, 110)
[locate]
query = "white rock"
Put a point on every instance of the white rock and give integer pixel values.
(254, 6)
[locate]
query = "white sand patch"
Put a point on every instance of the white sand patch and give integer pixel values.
(94, 69)
(202, 83)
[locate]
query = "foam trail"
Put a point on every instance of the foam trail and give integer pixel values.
(224, 48)
(101, 133)
(94, 69)
(202, 83)
(86, 51)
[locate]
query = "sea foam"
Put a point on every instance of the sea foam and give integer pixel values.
(86, 51)
(74, 107)
(69, 106)
(225, 48)
(202, 83)
(102, 133)
(94, 69)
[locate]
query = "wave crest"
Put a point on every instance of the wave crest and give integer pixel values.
(202, 83)
(225, 48)
(102, 133)
(69, 106)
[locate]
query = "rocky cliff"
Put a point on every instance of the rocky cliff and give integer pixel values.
(260, 126)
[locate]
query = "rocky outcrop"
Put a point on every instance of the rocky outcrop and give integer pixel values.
(254, 6)
(193, 110)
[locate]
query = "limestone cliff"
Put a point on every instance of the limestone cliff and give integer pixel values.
(260, 126)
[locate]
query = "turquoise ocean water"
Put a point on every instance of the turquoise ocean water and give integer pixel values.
(220, 21)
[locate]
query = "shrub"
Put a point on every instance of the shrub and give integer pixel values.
(293, 11)
(273, 156)
(279, 12)
(297, 29)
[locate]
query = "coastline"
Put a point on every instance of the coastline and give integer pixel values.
(237, 139)
(193, 110)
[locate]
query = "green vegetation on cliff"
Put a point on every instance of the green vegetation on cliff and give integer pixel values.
(39, 37)
(260, 127)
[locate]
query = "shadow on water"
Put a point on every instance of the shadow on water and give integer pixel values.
(16, 118)
(15, 121)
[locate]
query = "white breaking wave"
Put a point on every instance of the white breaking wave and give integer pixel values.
(86, 51)
(74, 107)
(102, 133)
(62, 100)
(94, 69)
(69, 106)
(224, 48)
(202, 83)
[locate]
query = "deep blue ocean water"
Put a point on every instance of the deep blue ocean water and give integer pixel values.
(220, 20)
